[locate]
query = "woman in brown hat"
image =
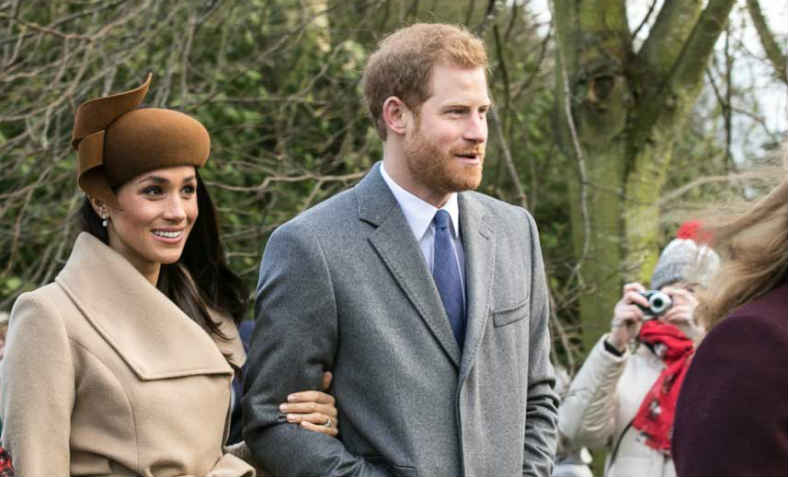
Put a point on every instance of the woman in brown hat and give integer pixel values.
(123, 365)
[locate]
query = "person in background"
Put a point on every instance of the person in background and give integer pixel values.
(123, 364)
(3, 332)
(624, 398)
(6, 466)
(236, 417)
(732, 413)
(570, 460)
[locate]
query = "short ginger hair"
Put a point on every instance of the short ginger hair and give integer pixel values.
(403, 63)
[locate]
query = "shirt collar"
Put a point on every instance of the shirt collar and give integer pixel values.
(419, 213)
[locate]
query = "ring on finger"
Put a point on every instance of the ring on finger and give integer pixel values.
(329, 423)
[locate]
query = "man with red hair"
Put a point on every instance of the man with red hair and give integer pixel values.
(427, 300)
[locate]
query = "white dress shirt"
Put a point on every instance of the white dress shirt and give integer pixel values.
(419, 215)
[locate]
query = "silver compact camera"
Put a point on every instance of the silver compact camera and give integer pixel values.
(658, 303)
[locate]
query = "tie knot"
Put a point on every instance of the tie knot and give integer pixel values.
(442, 219)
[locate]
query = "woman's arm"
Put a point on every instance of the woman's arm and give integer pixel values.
(37, 388)
(586, 417)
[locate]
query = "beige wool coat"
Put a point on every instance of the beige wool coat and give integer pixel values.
(103, 374)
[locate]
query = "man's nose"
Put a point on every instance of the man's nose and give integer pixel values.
(476, 130)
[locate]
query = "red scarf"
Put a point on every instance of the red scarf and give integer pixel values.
(6, 468)
(655, 416)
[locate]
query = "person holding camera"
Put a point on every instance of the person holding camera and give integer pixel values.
(624, 395)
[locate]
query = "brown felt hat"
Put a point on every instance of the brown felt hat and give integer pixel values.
(116, 141)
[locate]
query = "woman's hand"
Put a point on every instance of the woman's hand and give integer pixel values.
(681, 314)
(627, 316)
(313, 410)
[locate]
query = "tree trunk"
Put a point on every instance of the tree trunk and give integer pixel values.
(619, 114)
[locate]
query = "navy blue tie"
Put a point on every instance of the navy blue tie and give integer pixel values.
(446, 273)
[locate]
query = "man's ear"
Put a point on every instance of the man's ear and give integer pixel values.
(396, 114)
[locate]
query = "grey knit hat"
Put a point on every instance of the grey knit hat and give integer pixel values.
(685, 260)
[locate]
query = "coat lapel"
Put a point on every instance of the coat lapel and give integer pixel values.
(396, 246)
(478, 240)
(152, 335)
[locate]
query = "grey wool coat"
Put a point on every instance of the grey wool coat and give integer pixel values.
(344, 287)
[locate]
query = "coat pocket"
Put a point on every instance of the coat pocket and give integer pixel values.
(511, 314)
(396, 470)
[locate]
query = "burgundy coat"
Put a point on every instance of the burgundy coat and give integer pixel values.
(732, 413)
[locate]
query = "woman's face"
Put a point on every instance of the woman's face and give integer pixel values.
(156, 215)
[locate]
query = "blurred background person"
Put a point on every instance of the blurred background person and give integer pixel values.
(245, 329)
(623, 397)
(570, 460)
(6, 466)
(732, 413)
(3, 331)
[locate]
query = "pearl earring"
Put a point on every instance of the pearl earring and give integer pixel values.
(104, 218)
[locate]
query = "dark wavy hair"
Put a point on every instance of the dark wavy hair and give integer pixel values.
(201, 278)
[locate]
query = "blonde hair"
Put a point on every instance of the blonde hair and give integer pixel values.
(756, 247)
(404, 60)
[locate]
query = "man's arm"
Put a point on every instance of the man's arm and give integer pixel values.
(541, 419)
(294, 341)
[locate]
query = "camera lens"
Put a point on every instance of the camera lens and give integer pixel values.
(659, 303)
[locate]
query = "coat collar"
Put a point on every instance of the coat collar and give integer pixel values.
(152, 335)
(478, 241)
(399, 251)
(419, 213)
(401, 254)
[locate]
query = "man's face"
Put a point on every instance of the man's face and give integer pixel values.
(444, 147)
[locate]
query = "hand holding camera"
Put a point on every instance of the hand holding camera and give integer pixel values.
(658, 303)
(673, 304)
(631, 310)
(681, 313)
(628, 315)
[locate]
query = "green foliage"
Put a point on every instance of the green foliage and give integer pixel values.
(276, 82)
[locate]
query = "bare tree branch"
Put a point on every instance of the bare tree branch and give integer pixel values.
(671, 29)
(646, 18)
(778, 58)
(739, 177)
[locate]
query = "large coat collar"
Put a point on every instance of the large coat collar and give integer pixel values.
(152, 335)
(399, 250)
